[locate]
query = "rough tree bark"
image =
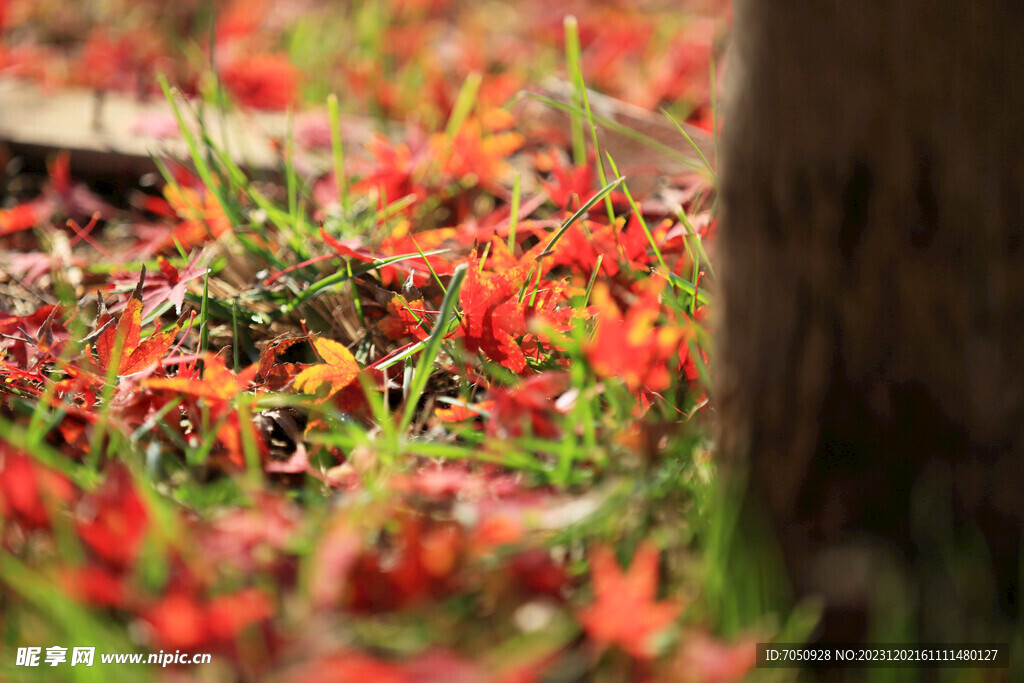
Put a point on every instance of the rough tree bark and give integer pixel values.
(871, 331)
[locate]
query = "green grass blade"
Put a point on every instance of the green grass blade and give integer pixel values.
(602, 193)
(640, 217)
(200, 163)
(687, 286)
(572, 60)
(693, 145)
(337, 152)
(513, 217)
(432, 346)
(621, 129)
(464, 104)
(344, 275)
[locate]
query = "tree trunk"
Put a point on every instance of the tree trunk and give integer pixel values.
(871, 329)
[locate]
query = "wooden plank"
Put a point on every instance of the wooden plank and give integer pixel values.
(117, 134)
(118, 129)
(113, 136)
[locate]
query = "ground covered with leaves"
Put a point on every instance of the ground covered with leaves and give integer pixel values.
(428, 401)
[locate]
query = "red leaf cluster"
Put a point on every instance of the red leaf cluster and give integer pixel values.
(633, 346)
(625, 611)
(29, 491)
(493, 314)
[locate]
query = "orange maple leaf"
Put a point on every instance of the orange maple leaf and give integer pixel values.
(625, 612)
(218, 388)
(404, 318)
(479, 149)
(122, 345)
(633, 346)
(23, 216)
(461, 413)
(338, 370)
(202, 218)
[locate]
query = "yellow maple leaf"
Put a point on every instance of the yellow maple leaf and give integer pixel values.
(338, 369)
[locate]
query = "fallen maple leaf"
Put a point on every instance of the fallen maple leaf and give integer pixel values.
(261, 81)
(493, 317)
(348, 667)
(335, 556)
(338, 369)
(528, 408)
(202, 218)
(404, 318)
(625, 612)
(122, 345)
(568, 182)
(28, 490)
(228, 615)
(114, 519)
(95, 585)
(218, 387)
(24, 216)
(632, 345)
(177, 620)
(23, 338)
(457, 412)
(394, 171)
(476, 152)
(708, 660)
(275, 373)
(170, 284)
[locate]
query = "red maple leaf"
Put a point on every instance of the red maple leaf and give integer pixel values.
(633, 346)
(184, 618)
(122, 346)
(567, 182)
(218, 388)
(682, 75)
(423, 562)
(114, 519)
(261, 81)
(218, 384)
(202, 218)
(619, 244)
(28, 490)
(479, 149)
(275, 373)
(24, 216)
(348, 667)
(625, 612)
(528, 408)
(249, 539)
(23, 338)
(228, 615)
(493, 316)
(404, 318)
(95, 585)
(456, 412)
(170, 284)
(118, 63)
(395, 172)
(177, 620)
